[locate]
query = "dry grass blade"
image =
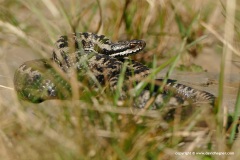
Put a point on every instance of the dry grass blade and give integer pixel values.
(5, 87)
(99, 125)
(219, 37)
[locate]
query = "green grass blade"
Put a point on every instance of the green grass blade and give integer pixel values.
(235, 119)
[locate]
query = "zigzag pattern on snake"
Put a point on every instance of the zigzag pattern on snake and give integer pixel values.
(45, 79)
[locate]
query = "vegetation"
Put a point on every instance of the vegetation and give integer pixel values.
(100, 127)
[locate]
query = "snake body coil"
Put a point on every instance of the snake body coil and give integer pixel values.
(82, 53)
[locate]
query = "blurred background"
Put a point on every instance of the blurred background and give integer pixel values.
(198, 30)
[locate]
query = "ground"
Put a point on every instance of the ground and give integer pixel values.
(98, 128)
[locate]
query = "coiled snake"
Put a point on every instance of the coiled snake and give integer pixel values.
(44, 79)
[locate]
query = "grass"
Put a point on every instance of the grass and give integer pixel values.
(98, 126)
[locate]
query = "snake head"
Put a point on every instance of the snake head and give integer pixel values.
(125, 48)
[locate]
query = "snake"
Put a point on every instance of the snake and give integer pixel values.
(97, 61)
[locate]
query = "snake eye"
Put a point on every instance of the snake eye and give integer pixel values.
(132, 45)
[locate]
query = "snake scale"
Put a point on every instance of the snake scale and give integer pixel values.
(101, 61)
